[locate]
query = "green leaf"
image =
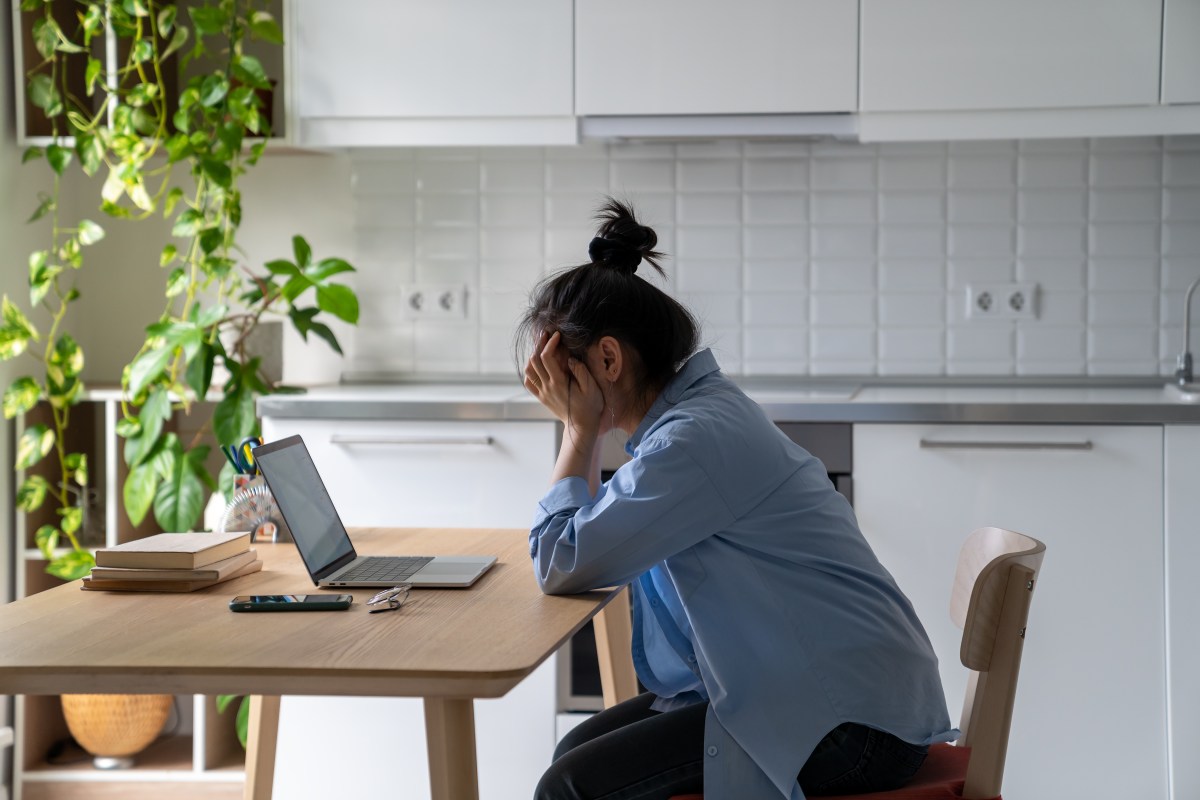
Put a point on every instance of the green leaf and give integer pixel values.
(46, 540)
(67, 357)
(142, 51)
(90, 232)
(77, 464)
(147, 367)
(41, 277)
(179, 501)
(90, 149)
(44, 94)
(45, 207)
(249, 70)
(281, 267)
(208, 20)
(16, 321)
(32, 493)
(155, 411)
(72, 566)
(127, 427)
(45, 35)
(178, 148)
(322, 330)
(188, 223)
(138, 492)
(59, 157)
(173, 197)
(214, 89)
(211, 315)
(243, 721)
(200, 370)
(233, 417)
(302, 250)
(295, 287)
(178, 40)
(338, 300)
(176, 282)
(72, 518)
(217, 171)
(210, 240)
(327, 268)
(31, 154)
(166, 20)
(34, 444)
(21, 395)
(92, 74)
(263, 26)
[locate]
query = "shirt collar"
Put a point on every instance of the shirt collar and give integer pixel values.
(701, 364)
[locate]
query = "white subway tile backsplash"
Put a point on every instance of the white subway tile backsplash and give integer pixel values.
(898, 207)
(843, 173)
(719, 175)
(1124, 239)
(807, 258)
(1053, 205)
(843, 276)
(778, 241)
(788, 208)
(844, 207)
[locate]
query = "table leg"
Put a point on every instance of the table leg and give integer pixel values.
(262, 732)
(614, 642)
(450, 734)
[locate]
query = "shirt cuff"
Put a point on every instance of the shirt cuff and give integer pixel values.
(568, 494)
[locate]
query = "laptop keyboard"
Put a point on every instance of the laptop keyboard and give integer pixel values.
(385, 568)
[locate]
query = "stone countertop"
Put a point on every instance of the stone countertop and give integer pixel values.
(1060, 401)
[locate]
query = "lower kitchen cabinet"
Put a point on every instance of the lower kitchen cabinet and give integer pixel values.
(1091, 713)
(415, 474)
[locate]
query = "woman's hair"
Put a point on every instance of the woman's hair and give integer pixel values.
(605, 297)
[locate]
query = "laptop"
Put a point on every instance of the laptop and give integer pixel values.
(323, 542)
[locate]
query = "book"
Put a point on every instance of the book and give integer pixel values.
(214, 571)
(174, 550)
(102, 585)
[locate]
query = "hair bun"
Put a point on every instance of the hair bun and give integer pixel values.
(614, 254)
(622, 242)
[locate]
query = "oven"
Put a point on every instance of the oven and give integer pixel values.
(578, 668)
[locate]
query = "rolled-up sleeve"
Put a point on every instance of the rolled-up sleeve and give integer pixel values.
(655, 506)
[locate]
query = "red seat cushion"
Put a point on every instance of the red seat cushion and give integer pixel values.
(940, 778)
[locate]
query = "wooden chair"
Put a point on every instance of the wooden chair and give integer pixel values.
(993, 587)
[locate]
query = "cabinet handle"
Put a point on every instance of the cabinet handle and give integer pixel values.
(416, 438)
(930, 444)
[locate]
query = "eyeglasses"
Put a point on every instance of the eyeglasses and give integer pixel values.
(389, 599)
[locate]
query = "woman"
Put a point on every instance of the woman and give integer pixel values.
(781, 658)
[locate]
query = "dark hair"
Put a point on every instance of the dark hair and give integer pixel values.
(605, 297)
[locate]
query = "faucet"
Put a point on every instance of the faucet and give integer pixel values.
(1183, 364)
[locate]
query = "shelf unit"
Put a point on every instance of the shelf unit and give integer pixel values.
(198, 755)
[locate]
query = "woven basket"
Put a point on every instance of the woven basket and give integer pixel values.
(115, 725)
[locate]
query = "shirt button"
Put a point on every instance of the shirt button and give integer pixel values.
(654, 602)
(692, 658)
(712, 749)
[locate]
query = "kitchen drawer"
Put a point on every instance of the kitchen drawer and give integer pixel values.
(418, 473)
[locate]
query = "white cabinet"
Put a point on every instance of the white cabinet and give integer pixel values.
(708, 57)
(925, 55)
(395, 72)
(405, 474)
(1181, 51)
(1090, 718)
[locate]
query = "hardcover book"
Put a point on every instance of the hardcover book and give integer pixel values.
(174, 550)
(214, 571)
(101, 585)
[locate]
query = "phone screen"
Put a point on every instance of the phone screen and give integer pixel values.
(290, 602)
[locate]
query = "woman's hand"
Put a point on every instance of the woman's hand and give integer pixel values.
(566, 387)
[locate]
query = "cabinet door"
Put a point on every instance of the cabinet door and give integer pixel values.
(447, 474)
(921, 55)
(379, 59)
(1181, 52)
(450, 474)
(708, 57)
(1091, 691)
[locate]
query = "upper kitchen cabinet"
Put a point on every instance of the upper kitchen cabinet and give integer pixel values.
(958, 55)
(702, 57)
(1181, 52)
(408, 72)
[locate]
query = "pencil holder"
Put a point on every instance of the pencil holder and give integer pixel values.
(254, 509)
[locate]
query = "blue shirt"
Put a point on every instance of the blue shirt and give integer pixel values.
(752, 587)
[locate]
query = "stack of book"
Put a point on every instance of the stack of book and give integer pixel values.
(173, 562)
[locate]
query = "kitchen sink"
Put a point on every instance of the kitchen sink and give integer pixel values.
(1189, 392)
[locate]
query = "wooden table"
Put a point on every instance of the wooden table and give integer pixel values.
(447, 646)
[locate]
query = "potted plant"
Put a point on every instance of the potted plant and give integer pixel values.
(185, 98)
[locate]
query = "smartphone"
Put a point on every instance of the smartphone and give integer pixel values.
(290, 602)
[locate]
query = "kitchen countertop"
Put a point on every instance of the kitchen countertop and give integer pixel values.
(1119, 401)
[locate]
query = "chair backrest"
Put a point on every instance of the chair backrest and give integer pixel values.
(993, 586)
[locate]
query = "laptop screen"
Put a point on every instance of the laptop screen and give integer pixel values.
(305, 504)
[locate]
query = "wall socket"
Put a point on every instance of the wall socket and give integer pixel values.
(1002, 301)
(434, 302)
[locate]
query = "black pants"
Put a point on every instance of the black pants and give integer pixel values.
(629, 752)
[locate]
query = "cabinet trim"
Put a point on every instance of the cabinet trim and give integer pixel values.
(981, 444)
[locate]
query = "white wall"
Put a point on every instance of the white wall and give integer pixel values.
(806, 258)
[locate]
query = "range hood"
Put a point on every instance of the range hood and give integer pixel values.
(718, 126)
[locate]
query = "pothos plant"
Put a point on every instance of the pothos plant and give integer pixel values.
(134, 126)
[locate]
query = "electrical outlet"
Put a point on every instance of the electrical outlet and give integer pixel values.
(434, 302)
(1002, 301)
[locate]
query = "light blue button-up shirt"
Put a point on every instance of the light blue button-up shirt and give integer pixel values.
(752, 587)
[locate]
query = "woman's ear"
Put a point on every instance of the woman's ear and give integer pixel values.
(612, 358)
